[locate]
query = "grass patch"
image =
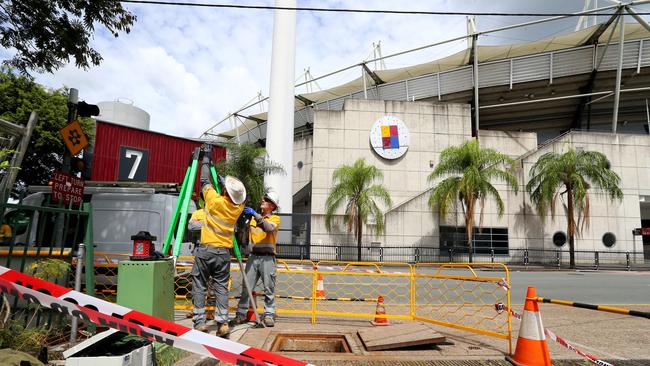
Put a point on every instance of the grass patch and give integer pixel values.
(166, 355)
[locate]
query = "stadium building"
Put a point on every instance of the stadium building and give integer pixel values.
(587, 90)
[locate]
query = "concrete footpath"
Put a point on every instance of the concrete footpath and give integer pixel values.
(619, 339)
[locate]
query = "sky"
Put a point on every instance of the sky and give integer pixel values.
(189, 67)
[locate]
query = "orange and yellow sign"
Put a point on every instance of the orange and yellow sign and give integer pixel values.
(73, 137)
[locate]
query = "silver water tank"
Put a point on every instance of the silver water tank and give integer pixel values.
(123, 113)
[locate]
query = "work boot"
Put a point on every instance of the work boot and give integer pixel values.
(202, 327)
(238, 319)
(223, 330)
(269, 321)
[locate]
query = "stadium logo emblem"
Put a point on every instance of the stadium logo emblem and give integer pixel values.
(389, 137)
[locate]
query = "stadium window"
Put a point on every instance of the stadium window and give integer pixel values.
(484, 240)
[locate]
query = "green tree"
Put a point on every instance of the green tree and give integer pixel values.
(249, 163)
(19, 96)
(469, 171)
(47, 34)
(354, 185)
(575, 173)
(5, 159)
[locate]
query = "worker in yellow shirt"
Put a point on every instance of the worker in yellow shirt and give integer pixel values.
(212, 255)
(261, 263)
(5, 233)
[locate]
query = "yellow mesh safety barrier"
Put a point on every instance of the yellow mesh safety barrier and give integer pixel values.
(457, 295)
(293, 287)
(463, 296)
(352, 289)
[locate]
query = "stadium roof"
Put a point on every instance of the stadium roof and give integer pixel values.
(485, 54)
(599, 34)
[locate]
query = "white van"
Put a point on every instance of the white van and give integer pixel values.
(118, 213)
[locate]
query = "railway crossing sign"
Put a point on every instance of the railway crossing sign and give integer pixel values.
(73, 137)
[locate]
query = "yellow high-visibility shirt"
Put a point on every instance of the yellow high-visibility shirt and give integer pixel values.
(264, 242)
(198, 215)
(221, 215)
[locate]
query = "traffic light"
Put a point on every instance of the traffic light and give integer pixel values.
(77, 165)
(86, 110)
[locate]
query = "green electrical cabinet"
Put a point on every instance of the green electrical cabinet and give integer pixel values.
(147, 286)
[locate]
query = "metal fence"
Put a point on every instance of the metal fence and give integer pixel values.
(554, 258)
(50, 231)
(457, 295)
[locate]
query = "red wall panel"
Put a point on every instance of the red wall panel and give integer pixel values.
(168, 155)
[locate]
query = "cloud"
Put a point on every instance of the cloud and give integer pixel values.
(188, 67)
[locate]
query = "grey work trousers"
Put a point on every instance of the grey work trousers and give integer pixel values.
(264, 267)
(210, 264)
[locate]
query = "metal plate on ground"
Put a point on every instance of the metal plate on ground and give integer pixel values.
(399, 336)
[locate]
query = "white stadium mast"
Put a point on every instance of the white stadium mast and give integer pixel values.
(279, 133)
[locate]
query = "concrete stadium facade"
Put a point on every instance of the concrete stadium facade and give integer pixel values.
(341, 137)
(587, 90)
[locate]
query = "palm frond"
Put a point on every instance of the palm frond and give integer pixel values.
(356, 186)
(249, 163)
(467, 171)
(577, 173)
(444, 195)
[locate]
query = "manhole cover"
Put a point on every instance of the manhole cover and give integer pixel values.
(330, 343)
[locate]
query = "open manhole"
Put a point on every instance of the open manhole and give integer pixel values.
(329, 343)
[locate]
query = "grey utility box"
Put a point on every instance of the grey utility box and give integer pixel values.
(110, 348)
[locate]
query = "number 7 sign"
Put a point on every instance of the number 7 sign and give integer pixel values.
(133, 164)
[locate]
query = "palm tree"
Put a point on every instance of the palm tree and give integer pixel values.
(354, 186)
(469, 170)
(575, 172)
(248, 163)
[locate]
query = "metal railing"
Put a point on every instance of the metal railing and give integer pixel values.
(44, 232)
(40, 232)
(553, 258)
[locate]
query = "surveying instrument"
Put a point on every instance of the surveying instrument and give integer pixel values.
(179, 220)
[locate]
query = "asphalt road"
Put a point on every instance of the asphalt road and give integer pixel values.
(594, 287)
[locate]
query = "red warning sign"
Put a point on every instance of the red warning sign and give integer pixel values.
(67, 188)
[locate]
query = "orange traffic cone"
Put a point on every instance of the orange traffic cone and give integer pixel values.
(320, 287)
(380, 310)
(250, 314)
(532, 349)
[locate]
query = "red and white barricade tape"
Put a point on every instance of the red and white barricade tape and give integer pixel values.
(111, 315)
(500, 307)
(570, 347)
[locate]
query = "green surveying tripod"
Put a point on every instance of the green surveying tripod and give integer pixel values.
(179, 220)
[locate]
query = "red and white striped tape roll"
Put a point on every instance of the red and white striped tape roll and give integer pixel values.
(111, 315)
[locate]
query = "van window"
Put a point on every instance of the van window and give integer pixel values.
(117, 226)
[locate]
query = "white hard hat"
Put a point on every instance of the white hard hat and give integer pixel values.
(236, 189)
(274, 198)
